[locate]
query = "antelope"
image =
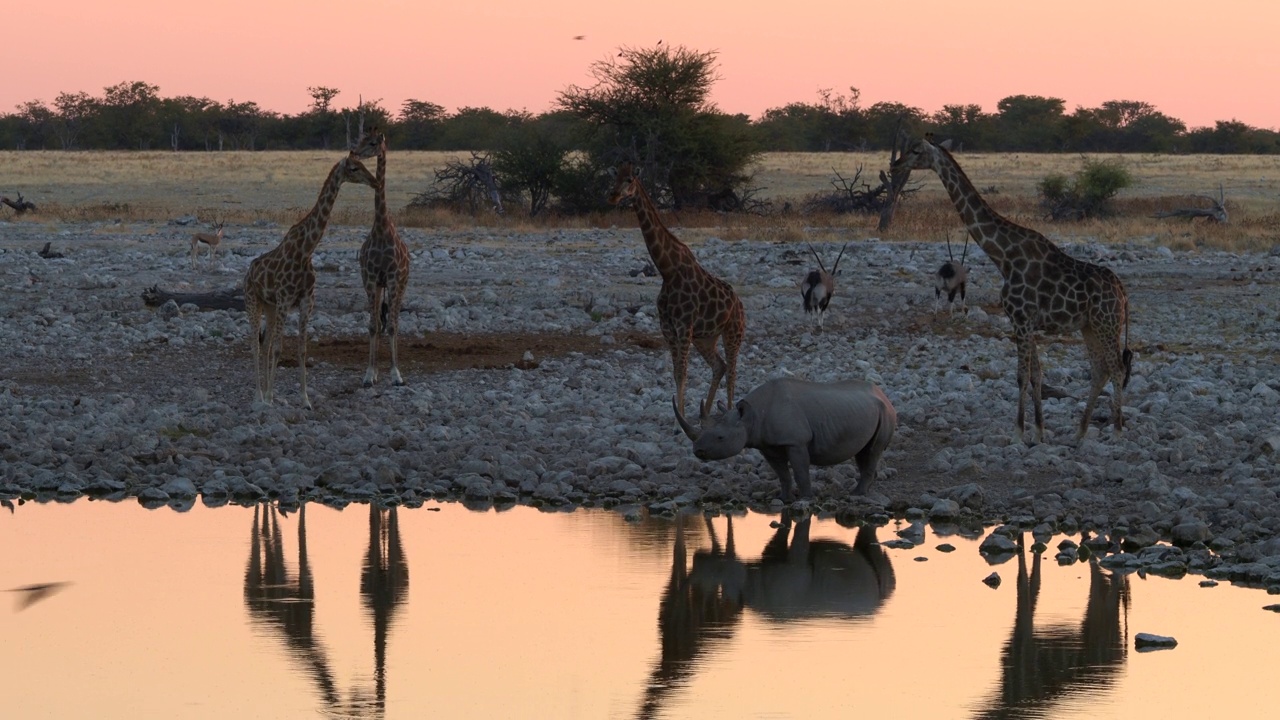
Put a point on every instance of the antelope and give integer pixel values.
(951, 279)
(212, 239)
(819, 285)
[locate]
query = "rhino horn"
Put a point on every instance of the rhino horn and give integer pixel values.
(684, 424)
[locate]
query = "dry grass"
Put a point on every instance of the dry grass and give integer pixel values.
(279, 186)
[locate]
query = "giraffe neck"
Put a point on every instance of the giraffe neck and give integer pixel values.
(381, 216)
(668, 253)
(984, 224)
(308, 231)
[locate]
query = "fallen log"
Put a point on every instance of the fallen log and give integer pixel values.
(1217, 213)
(19, 206)
(229, 299)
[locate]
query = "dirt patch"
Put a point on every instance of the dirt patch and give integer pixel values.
(440, 352)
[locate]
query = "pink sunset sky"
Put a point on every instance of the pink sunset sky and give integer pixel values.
(1195, 61)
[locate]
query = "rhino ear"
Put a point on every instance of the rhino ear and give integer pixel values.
(744, 410)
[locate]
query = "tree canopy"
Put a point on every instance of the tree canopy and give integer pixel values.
(639, 97)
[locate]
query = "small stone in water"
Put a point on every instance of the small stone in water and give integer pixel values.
(1148, 641)
(946, 547)
(992, 580)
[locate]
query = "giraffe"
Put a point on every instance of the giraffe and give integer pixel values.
(694, 307)
(1044, 290)
(282, 278)
(384, 263)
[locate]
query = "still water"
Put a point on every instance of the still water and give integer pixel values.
(444, 612)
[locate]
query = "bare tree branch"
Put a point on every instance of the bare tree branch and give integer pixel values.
(1217, 213)
(20, 205)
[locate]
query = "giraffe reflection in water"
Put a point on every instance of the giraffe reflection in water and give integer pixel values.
(795, 578)
(1041, 666)
(284, 603)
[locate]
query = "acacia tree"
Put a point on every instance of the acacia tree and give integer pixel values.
(34, 122)
(1030, 122)
(131, 113)
(73, 110)
(651, 105)
(322, 119)
(419, 123)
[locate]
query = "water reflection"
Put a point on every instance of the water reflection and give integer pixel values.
(1039, 667)
(795, 579)
(284, 603)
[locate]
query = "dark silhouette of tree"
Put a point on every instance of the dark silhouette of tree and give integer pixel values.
(131, 114)
(74, 109)
(1030, 122)
(35, 122)
(651, 105)
(419, 124)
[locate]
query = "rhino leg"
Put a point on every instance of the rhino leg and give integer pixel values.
(868, 458)
(777, 460)
(799, 459)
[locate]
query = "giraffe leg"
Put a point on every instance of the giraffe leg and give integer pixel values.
(393, 330)
(273, 336)
(1037, 390)
(1024, 374)
(375, 295)
(679, 368)
(732, 344)
(707, 349)
(1097, 379)
(1115, 365)
(254, 312)
(304, 313)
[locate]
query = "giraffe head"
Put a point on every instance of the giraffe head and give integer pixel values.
(626, 183)
(370, 144)
(923, 154)
(354, 171)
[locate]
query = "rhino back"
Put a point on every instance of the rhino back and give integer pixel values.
(835, 420)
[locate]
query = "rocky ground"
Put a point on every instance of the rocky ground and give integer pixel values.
(536, 374)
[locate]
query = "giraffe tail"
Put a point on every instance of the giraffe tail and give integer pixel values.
(1126, 357)
(385, 312)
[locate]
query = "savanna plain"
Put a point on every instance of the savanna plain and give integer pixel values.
(537, 374)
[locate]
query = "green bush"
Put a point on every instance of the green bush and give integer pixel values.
(528, 164)
(1086, 194)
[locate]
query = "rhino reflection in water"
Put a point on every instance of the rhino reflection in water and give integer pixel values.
(1039, 666)
(284, 603)
(795, 578)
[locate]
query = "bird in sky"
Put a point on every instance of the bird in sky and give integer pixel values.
(32, 594)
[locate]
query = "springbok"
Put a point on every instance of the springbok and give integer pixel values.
(212, 239)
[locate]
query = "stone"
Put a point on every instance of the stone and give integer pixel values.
(992, 580)
(913, 533)
(1189, 533)
(944, 509)
(995, 543)
(1143, 642)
